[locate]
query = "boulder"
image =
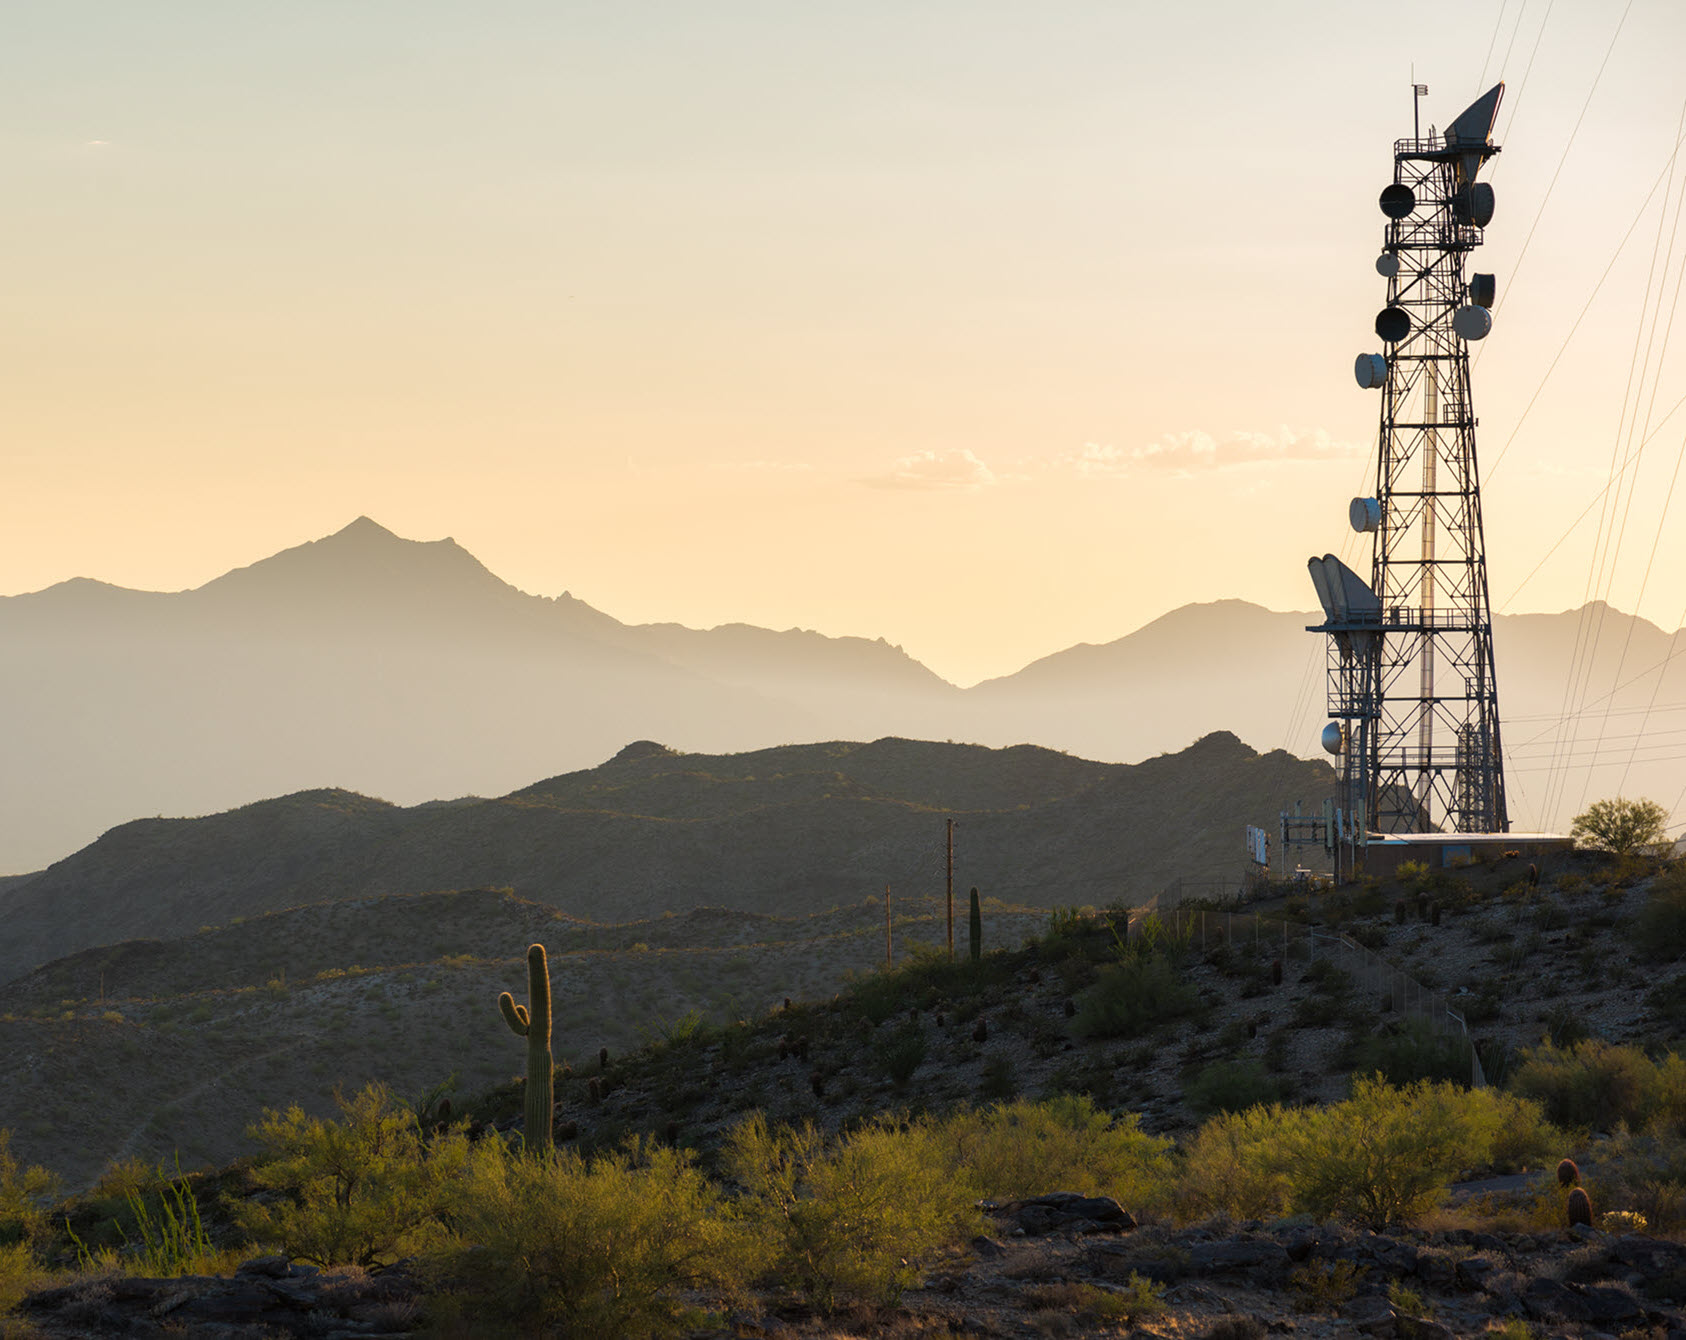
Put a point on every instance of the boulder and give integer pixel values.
(1062, 1212)
(1246, 1253)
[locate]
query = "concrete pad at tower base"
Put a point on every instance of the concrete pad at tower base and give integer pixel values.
(1387, 852)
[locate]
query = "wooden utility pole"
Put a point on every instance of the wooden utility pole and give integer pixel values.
(951, 890)
(886, 925)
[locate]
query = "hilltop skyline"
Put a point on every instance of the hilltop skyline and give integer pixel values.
(409, 670)
(876, 321)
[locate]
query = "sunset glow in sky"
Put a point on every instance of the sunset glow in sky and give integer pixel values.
(988, 328)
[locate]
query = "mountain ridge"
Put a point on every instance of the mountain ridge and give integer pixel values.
(305, 669)
(783, 831)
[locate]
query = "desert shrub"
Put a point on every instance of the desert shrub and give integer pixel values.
(1152, 936)
(1320, 1011)
(566, 1246)
(1645, 1174)
(20, 1273)
(1659, 930)
(25, 1195)
(846, 1220)
(1386, 1154)
(357, 1191)
(126, 1177)
(1486, 1003)
(999, 1081)
(1414, 1051)
(1566, 1026)
(1329, 977)
(1232, 1086)
(901, 1052)
(1407, 1300)
(1515, 1131)
(1323, 1286)
(1086, 1306)
(1235, 1165)
(1131, 996)
(1066, 1143)
(1667, 1000)
(1600, 1085)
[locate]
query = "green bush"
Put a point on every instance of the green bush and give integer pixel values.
(999, 1080)
(1415, 1051)
(20, 1273)
(846, 1221)
(1026, 1148)
(1645, 1174)
(1234, 1165)
(901, 1052)
(1233, 1086)
(1659, 931)
(1131, 996)
(563, 1246)
(360, 1191)
(1600, 1085)
(25, 1195)
(1386, 1154)
(1520, 1133)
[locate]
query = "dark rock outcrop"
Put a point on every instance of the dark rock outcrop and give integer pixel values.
(265, 1296)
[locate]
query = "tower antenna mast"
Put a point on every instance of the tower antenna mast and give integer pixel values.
(1411, 682)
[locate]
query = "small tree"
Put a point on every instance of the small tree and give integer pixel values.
(1624, 827)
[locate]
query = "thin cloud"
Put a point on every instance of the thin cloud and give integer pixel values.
(956, 468)
(1196, 451)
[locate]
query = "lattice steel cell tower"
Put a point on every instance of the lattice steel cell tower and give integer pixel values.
(1411, 684)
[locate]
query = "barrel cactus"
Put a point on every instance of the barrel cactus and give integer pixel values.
(532, 1021)
(1579, 1207)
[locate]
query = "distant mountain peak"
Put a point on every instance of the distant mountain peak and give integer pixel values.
(363, 526)
(360, 562)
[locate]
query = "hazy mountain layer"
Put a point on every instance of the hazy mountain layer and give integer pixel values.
(407, 670)
(787, 831)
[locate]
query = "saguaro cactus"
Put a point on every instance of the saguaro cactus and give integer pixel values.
(976, 928)
(532, 1021)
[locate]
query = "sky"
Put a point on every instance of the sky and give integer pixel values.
(988, 328)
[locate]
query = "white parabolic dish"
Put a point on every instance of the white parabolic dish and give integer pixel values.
(1472, 323)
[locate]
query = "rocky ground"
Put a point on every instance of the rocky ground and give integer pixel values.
(1060, 1265)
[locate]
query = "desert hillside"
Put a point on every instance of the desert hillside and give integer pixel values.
(787, 831)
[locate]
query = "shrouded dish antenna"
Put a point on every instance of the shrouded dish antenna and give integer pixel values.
(1483, 289)
(1365, 514)
(1472, 323)
(1393, 324)
(1371, 371)
(1387, 265)
(1473, 204)
(1333, 737)
(1474, 125)
(1397, 200)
